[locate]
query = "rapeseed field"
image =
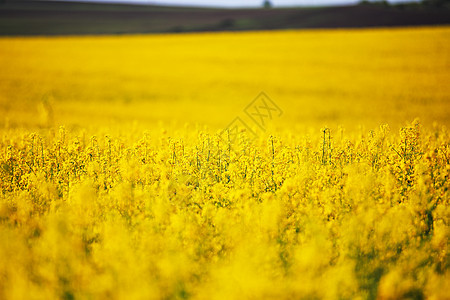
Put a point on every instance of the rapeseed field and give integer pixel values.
(257, 165)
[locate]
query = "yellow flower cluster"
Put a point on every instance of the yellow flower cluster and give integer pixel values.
(116, 181)
(276, 218)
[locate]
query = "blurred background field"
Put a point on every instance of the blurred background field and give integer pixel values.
(323, 77)
(35, 17)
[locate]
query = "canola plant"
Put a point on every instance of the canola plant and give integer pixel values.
(117, 185)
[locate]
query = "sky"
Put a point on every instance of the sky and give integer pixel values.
(252, 3)
(243, 3)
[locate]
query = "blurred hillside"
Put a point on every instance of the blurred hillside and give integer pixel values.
(72, 18)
